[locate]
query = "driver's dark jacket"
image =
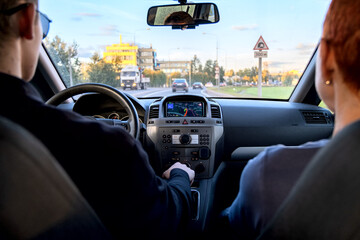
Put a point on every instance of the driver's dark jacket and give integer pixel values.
(109, 166)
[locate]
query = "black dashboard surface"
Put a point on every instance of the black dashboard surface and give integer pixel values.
(254, 123)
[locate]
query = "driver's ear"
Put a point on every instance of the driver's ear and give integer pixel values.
(27, 21)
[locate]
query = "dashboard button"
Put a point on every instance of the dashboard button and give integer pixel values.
(185, 139)
(204, 153)
(199, 168)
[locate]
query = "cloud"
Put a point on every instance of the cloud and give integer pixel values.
(278, 64)
(245, 27)
(77, 19)
(79, 16)
(305, 49)
(109, 30)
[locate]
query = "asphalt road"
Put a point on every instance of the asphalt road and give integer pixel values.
(159, 92)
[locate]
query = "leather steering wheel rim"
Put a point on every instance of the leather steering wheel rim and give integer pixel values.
(115, 94)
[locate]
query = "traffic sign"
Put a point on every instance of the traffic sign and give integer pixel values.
(260, 54)
(261, 44)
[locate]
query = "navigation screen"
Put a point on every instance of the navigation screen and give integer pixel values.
(184, 109)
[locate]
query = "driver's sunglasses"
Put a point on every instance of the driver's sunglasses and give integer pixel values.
(45, 21)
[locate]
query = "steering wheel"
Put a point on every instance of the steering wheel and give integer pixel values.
(132, 123)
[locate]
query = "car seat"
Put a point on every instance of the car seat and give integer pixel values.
(325, 202)
(37, 198)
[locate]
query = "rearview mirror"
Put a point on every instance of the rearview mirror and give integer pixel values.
(183, 15)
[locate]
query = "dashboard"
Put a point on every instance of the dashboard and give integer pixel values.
(203, 132)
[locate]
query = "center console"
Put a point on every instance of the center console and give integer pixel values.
(186, 129)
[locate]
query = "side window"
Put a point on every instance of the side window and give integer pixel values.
(323, 105)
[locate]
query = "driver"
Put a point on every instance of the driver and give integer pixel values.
(110, 167)
(179, 18)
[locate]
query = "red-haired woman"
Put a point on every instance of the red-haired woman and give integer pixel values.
(268, 178)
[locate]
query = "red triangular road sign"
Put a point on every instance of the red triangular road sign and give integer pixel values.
(261, 44)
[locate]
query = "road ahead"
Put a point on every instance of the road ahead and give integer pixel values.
(159, 92)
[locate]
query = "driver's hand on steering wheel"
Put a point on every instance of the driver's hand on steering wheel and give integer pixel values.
(179, 165)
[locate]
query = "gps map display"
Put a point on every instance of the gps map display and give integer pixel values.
(184, 109)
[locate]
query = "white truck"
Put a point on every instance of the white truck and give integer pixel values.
(131, 77)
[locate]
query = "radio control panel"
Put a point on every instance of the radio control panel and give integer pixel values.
(188, 145)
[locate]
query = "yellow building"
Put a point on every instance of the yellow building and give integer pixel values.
(122, 53)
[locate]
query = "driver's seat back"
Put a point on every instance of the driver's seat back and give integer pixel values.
(37, 198)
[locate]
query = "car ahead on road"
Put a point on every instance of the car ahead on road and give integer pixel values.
(180, 85)
(197, 85)
(222, 84)
(215, 131)
(209, 84)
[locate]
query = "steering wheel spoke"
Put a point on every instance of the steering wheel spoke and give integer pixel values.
(116, 123)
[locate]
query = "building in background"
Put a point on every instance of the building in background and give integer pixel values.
(121, 53)
(147, 58)
(169, 67)
(126, 54)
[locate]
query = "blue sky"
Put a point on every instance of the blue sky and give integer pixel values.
(291, 29)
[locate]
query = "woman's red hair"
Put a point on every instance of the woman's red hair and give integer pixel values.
(342, 34)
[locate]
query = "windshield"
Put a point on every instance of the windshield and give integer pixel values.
(128, 74)
(259, 49)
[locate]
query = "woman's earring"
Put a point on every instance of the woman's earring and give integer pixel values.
(327, 82)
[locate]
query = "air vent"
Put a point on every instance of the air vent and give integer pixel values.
(154, 111)
(215, 111)
(314, 117)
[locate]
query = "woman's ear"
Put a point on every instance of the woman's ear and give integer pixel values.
(26, 22)
(328, 61)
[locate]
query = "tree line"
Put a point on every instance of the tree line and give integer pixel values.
(97, 70)
(66, 59)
